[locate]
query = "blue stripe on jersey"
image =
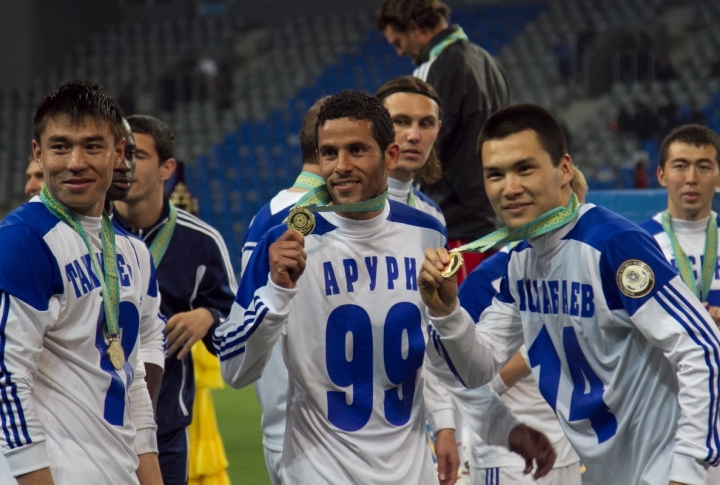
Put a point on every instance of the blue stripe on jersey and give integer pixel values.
(263, 221)
(652, 227)
(696, 327)
(598, 225)
(404, 214)
(152, 285)
(28, 269)
(440, 349)
(6, 409)
(504, 294)
(477, 292)
(420, 195)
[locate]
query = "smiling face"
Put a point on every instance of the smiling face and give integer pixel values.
(690, 174)
(416, 119)
(521, 181)
(352, 164)
(124, 172)
(77, 160)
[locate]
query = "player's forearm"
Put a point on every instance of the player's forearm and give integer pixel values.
(245, 341)
(470, 358)
(148, 472)
(38, 477)
(153, 379)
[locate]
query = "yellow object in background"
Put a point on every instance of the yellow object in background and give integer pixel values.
(208, 463)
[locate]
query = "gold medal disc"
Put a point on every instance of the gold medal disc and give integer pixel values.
(456, 261)
(302, 220)
(116, 354)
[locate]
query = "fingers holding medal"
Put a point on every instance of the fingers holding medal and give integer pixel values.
(287, 258)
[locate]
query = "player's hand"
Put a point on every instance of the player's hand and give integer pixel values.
(438, 293)
(447, 456)
(533, 445)
(287, 259)
(714, 313)
(38, 477)
(675, 483)
(186, 328)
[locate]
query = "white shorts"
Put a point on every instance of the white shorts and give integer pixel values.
(569, 475)
(273, 462)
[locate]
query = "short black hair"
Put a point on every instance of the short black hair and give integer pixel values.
(79, 101)
(357, 105)
(161, 134)
(696, 135)
(308, 134)
(521, 117)
(426, 14)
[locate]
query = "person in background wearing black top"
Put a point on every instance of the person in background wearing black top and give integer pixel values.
(472, 86)
(197, 283)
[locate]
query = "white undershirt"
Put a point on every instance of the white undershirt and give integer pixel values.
(399, 190)
(691, 235)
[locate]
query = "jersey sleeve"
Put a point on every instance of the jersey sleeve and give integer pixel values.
(217, 287)
(475, 353)
(486, 414)
(244, 342)
(439, 404)
(141, 413)
(153, 342)
(637, 278)
(30, 281)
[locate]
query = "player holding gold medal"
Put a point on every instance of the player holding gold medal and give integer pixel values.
(617, 342)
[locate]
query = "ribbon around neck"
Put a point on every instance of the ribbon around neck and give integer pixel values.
(682, 262)
(162, 240)
(308, 181)
(317, 200)
(550, 220)
(109, 280)
(458, 34)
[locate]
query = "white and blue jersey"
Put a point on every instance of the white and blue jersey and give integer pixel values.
(523, 398)
(691, 236)
(62, 404)
(354, 345)
(400, 191)
(622, 351)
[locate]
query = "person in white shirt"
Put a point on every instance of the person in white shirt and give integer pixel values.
(75, 407)
(515, 385)
(345, 302)
(689, 168)
(621, 349)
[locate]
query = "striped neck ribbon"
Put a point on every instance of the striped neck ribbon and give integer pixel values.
(682, 262)
(109, 280)
(411, 200)
(317, 200)
(552, 219)
(162, 240)
(458, 34)
(308, 181)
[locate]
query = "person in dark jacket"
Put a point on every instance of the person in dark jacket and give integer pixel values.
(472, 86)
(197, 283)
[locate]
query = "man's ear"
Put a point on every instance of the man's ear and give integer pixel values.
(392, 154)
(661, 177)
(37, 152)
(167, 168)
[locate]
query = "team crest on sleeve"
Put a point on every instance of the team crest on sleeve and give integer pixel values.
(635, 278)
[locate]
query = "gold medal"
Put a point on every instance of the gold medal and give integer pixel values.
(456, 261)
(116, 354)
(302, 220)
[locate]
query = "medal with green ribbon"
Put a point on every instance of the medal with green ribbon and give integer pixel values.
(682, 262)
(552, 219)
(458, 34)
(108, 278)
(162, 240)
(301, 216)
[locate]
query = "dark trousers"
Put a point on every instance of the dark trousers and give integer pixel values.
(173, 448)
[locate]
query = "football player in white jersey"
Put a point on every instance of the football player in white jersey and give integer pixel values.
(345, 300)
(621, 349)
(75, 407)
(414, 107)
(689, 168)
(514, 383)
